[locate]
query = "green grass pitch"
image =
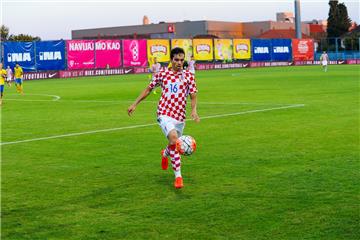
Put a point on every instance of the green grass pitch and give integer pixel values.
(265, 167)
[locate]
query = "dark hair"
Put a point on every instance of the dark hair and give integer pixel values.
(175, 51)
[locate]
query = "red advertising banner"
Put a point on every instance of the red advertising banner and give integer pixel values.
(353, 61)
(209, 66)
(332, 62)
(40, 75)
(303, 49)
(80, 54)
(199, 66)
(95, 72)
(270, 64)
(108, 53)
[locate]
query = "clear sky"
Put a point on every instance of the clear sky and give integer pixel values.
(54, 19)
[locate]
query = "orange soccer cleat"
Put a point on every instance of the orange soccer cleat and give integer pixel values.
(179, 182)
(164, 160)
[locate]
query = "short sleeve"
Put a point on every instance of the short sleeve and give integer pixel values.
(192, 85)
(156, 80)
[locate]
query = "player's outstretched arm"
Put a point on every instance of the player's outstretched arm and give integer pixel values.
(194, 114)
(141, 97)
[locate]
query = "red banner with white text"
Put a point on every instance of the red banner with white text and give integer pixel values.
(303, 49)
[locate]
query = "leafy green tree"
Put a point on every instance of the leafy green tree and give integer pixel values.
(23, 38)
(338, 19)
(6, 36)
(4, 32)
(344, 20)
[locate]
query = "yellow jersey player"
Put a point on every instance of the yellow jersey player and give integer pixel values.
(150, 62)
(2, 81)
(18, 72)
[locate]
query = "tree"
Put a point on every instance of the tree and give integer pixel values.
(331, 21)
(344, 20)
(4, 32)
(338, 19)
(23, 38)
(351, 39)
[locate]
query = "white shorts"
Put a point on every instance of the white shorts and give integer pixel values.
(167, 124)
(324, 63)
(8, 79)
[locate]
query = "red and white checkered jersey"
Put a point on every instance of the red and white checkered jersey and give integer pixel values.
(176, 86)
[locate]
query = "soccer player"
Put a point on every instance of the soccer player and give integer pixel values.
(155, 68)
(2, 81)
(185, 65)
(324, 58)
(150, 62)
(192, 65)
(176, 85)
(19, 78)
(9, 75)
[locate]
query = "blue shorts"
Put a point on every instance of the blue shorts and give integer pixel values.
(1, 88)
(18, 80)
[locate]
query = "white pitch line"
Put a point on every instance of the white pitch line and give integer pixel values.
(28, 100)
(253, 111)
(77, 134)
(131, 101)
(147, 125)
(55, 97)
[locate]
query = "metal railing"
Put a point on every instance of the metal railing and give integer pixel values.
(338, 48)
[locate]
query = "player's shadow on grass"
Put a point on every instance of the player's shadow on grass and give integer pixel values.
(166, 181)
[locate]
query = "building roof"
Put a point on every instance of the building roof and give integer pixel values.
(185, 29)
(316, 28)
(281, 33)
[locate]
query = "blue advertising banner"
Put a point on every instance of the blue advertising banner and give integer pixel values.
(1, 52)
(50, 55)
(20, 52)
(261, 49)
(281, 50)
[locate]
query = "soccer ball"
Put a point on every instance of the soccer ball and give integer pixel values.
(185, 145)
